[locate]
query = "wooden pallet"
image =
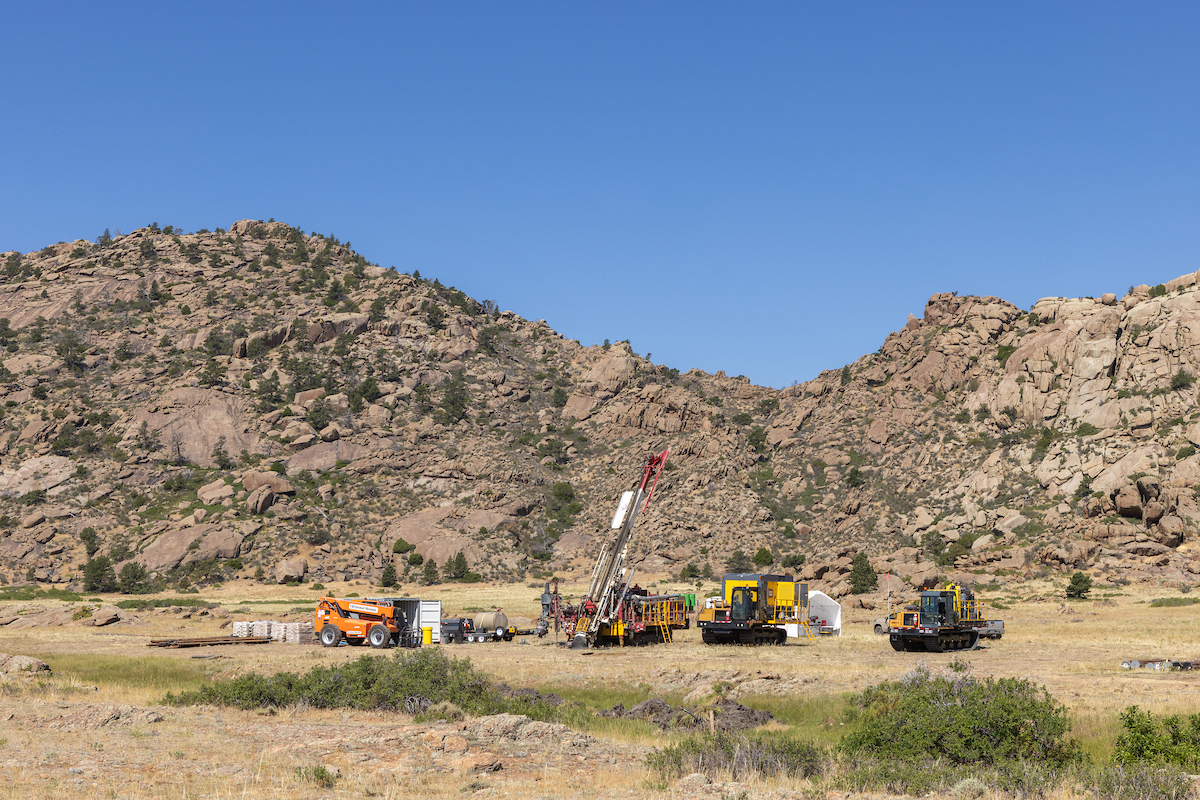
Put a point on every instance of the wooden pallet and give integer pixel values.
(205, 641)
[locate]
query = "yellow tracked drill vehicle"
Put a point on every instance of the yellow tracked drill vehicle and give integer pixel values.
(943, 619)
(756, 609)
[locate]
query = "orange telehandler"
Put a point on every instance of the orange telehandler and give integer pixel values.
(373, 621)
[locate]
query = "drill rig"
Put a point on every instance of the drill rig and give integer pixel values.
(614, 610)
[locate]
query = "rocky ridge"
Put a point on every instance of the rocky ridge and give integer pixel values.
(265, 404)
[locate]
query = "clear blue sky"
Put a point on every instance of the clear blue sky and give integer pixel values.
(764, 188)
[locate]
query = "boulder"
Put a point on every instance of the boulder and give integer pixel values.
(43, 472)
(1171, 531)
(291, 570)
(273, 480)
(30, 520)
(983, 543)
(16, 665)
(215, 492)
(1128, 501)
(168, 550)
(324, 456)
(1011, 522)
(1149, 487)
(260, 500)
(308, 396)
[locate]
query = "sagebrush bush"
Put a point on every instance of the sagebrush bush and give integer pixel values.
(960, 719)
(1117, 782)
(740, 755)
(420, 680)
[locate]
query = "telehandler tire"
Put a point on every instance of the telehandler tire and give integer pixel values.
(379, 637)
(331, 636)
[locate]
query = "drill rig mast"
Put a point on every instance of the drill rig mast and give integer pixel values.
(610, 583)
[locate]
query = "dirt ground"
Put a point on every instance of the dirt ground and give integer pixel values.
(111, 738)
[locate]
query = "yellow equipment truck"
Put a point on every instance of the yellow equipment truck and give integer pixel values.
(756, 609)
(943, 619)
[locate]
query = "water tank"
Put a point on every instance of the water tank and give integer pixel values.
(490, 621)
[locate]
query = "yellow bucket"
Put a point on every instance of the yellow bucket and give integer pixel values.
(427, 635)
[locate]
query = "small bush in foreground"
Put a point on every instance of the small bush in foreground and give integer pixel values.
(739, 755)
(1118, 782)
(1169, 740)
(960, 719)
(411, 683)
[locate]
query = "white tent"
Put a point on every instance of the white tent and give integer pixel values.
(825, 612)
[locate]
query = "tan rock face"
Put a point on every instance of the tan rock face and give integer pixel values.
(974, 417)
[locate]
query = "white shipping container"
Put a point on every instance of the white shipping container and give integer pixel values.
(431, 617)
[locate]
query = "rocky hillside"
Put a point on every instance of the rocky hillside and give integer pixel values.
(265, 404)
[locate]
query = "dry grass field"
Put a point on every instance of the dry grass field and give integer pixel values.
(96, 728)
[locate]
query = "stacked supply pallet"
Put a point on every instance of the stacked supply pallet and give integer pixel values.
(285, 632)
(298, 633)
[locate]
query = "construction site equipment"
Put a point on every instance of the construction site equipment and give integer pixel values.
(205, 641)
(756, 609)
(1162, 664)
(493, 625)
(456, 630)
(615, 610)
(377, 621)
(943, 619)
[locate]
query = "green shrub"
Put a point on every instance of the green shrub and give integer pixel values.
(1142, 782)
(763, 557)
(403, 682)
(91, 542)
(1003, 352)
(401, 546)
(1174, 602)
(1086, 429)
(1169, 740)
(1182, 380)
(739, 755)
(959, 719)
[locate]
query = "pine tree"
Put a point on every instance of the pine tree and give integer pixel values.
(430, 573)
(457, 567)
(863, 577)
(1081, 584)
(99, 576)
(388, 579)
